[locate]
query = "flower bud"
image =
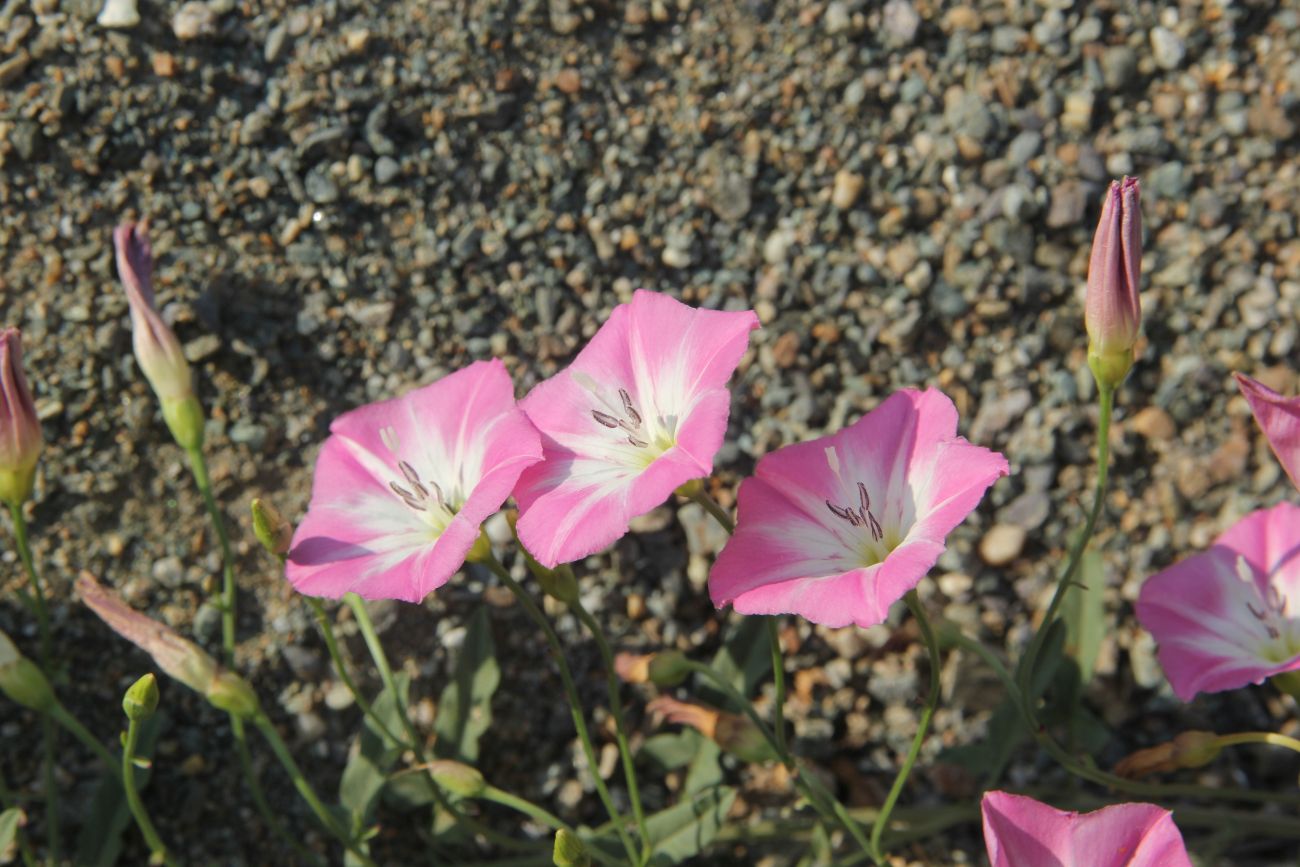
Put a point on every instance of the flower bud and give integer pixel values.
(1279, 418)
(20, 431)
(556, 583)
(231, 693)
(458, 778)
(1112, 309)
(1188, 750)
(666, 668)
(22, 680)
(156, 346)
(271, 529)
(141, 699)
(569, 850)
(736, 734)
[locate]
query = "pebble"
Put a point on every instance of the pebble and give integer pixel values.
(119, 14)
(1002, 544)
(1153, 423)
(386, 170)
(847, 187)
(1167, 48)
(194, 20)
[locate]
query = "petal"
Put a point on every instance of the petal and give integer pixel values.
(1019, 831)
(570, 507)
(952, 485)
(1128, 835)
(1279, 418)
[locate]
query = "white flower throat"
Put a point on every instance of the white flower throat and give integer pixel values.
(651, 437)
(419, 495)
(869, 551)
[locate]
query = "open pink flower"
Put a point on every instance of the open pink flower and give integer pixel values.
(1230, 615)
(1279, 418)
(642, 410)
(839, 528)
(402, 486)
(1022, 832)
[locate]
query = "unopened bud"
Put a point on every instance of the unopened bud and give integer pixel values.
(1189, 750)
(481, 550)
(569, 850)
(556, 583)
(271, 529)
(231, 693)
(20, 430)
(141, 699)
(457, 778)
(22, 680)
(1112, 309)
(184, 417)
(734, 733)
(665, 668)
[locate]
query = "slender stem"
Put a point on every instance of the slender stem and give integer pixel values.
(575, 702)
(9, 801)
(778, 682)
(151, 838)
(1026, 665)
(931, 702)
(1270, 738)
(204, 483)
(711, 506)
(305, 790)
(340, 668)
(620, 727)
(49, 735)
(528, 808)
(259, 796)
(81, 733)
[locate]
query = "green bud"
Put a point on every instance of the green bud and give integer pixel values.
(16, 485)
(569, 850)
(271, 529)
(22, 680)
(558, 583)
(141, 700)
(739, 736)
(185, 419)
(458, 778)
(689, 490)
(668, 668)
(1111, 368)
(481, 551)
(231, 693)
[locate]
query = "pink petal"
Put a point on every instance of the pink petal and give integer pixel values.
(465, 439)
(671, 363)
(1213, 627)
(1020, 831)
(792, 554)
(1279, 418)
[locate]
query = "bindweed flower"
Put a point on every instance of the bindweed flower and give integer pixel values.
(22, 680)
(1022, 832)
(839, 528)
(640, 411)
(402, 486)
(736, 734)
(1189, 750)
(20, 431)
(179, 658)
(665, 668)
(1112, 309)
(1231, 615)
(156, 347)
(1279, 418)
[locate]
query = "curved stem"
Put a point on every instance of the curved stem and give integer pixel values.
(575, 702)
(151, 838)
(620, 727)
(710, 505)
(49, 735)
(528, 808)
(61, 716)
(340, 668)
(204, 483)
(778, 683)
(931, 702)
(1270, 738)
(1024, 670)
(305, 790)
(259, 796)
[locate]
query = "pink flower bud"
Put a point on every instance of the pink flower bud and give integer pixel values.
(156, 346)
(20, 431)
(1279, 419)
(1112, 311)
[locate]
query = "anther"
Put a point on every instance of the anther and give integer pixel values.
(629, 408)
(409, 471)
(864, 497)
(604, 418)
(641, 444)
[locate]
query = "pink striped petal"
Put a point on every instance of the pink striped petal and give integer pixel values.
(1230, 616)
(403, 485)
(1279, 418)
(839, 528)
(1022, 832)
(642, 410)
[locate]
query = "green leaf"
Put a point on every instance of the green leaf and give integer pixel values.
(672, 750)
(465, 708)
(1084, 613)
(100, 840)
(744, 659)
(371, 757)
(704, 772)
(1049, 657)
(990, 755)
(10, 821)
(683, 830)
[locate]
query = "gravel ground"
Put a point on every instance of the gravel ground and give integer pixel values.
(352, 198)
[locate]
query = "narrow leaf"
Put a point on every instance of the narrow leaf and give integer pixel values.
(10, 821)
(465, 708)
(705, 771)
(744, 659)
(1084, 613)
(683, 830)
(370, 757)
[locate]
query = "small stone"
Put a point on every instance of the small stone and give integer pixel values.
(356, 39)
(1077, 114)
(386, 169)
(568, 81)
(836, 18)
(847, 187)
(1167, 48)
(900, 21)
(1153, 423)
(1119, 65)
(193, 20)
(119, 15)
(168, 571)
(1002, 544)
(202, 347)
(164, 64)
(785, 352)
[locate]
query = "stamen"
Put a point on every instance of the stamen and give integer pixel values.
(629, 408)
(604, 418)
(401, 492)
(864, 497)
(877, 532)
(641, 444)
(842, 514)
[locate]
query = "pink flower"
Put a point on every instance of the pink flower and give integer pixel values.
(1231, 615)
(1022, 832)
(402, 486)
(839, 528)
(156, 346)
(1112, 311)
(20, 430)
(1279, 418)
(642, 410)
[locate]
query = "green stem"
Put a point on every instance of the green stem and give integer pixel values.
(710, 505)
(1025, 668)
(305, 790)
(1270, 738)
(49, 736)
(259, 796)
(778, 682)
(204, 483)
(931, 702)
(575, 702)
(620, 727)
(528, 808)
(151, 838)
(9, 801)
(340, 668)
(61, 716)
